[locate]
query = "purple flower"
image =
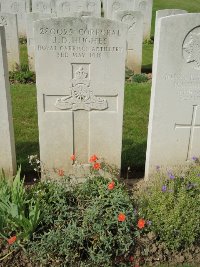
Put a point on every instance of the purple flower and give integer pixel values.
(194, 158)
(198, 174)
(149, 223)
(170, 174)
(164, 188)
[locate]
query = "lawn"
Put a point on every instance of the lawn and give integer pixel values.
(136, 106)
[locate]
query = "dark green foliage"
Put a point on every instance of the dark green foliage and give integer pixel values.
(24, 75)
(172, 204)
(139, 78)
(80, 224)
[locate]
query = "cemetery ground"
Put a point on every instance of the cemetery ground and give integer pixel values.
(100, 222)
(124, 230)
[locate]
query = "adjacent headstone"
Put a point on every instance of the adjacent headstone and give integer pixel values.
(145, 6)
(7, 144)
(19, 7)
(80, 104)
(168, 12)
(30, 19)
(82, 14)
(134, 20)
(65, 8)
(174, 122)
(44, 6)
(9, 21)
(117, 5)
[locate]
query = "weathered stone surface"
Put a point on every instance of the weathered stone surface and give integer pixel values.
(30, 19)
(117, 5)
(80, 104)
(44, 6)
(65, 8)
(19, 7)
(7, 144)
(174, 121)
(9, 21)
(168, 12)
(145, 7)
(134, 20)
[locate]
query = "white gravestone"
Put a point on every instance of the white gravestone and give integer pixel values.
(134, 20)
(113, 6)
(168, 12)
(65, 8)
(7, 143)
(145, 6)
(174, 120)
(43, 6)
(80, 70)
(30, 19)
(9, 21)
(19, 7)
(82, 14)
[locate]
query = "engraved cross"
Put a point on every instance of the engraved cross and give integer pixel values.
(80, 102)
(192, 126)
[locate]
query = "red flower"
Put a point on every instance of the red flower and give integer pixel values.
(60, 172)
(97, 166)
(141, 223)
(131, 259)
(121, 217)
(12, 240)
(93, 158)
(73, 157)
(111, 185)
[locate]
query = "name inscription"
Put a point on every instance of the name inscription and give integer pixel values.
(68, 42)
(187, 87)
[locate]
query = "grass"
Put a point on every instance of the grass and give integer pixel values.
(25, 122)
(188, 5)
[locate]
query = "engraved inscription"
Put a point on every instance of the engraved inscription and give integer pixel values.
(143, 6)
(82, 97)
(15, 7)
(187, 86)
(129, 20)
(3, 21)
(41, 6)
(191, 48)
(65, 7)
(116, 6)
(91, 6)
(192, 127)
(79, 42)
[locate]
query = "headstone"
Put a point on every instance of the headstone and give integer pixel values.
(174, 120)
(80, 70)
(113, 6)
(9, 21)
(82, 14)
(19, 7)
(30, 19)
(65, 8)
(7, 143)
(145, 6)
(44, 6)
(168, 12)
(134, 20)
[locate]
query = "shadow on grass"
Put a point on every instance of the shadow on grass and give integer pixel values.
(147, 68)
(23, 150)
(133, 158)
